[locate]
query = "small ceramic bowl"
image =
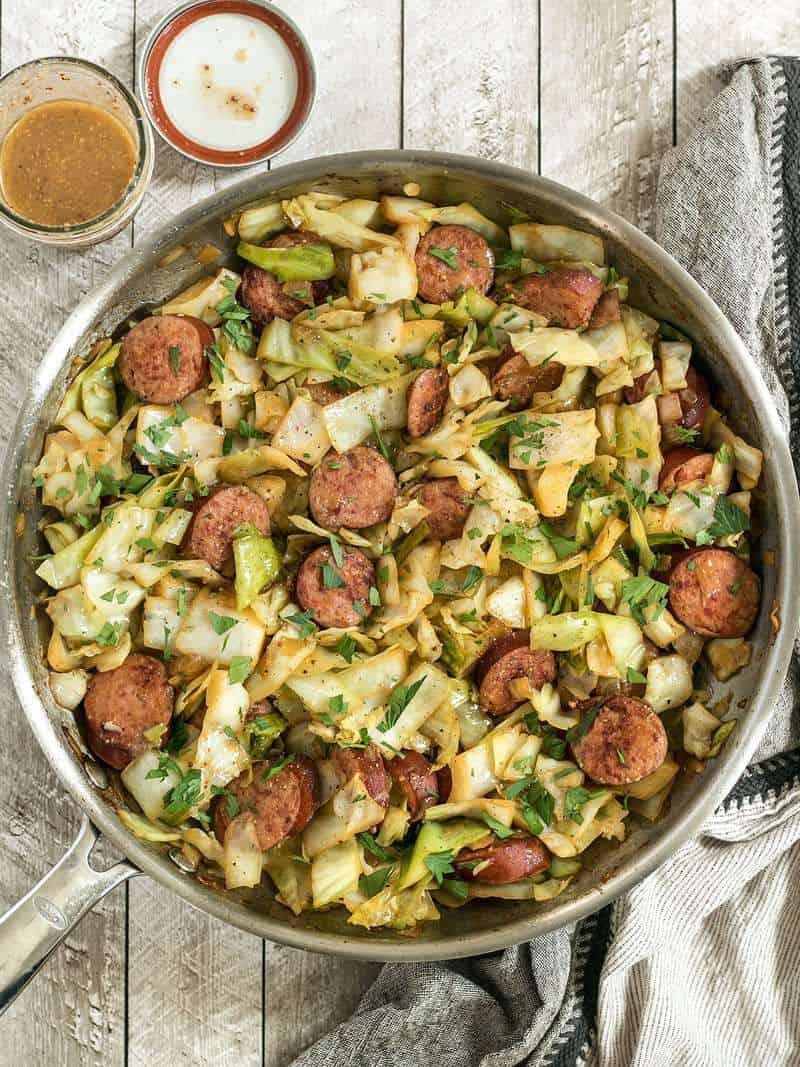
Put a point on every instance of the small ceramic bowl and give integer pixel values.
(61, 78)
(295, 53)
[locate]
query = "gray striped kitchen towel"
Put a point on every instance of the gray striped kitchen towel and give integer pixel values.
(698, 966)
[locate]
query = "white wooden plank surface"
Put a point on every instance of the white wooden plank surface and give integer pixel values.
(194, 987)
(194, 984)
(73, 1014)
(470, 78)
(606, 107)
(717, 32)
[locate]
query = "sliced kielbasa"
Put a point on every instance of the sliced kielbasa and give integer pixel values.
(606, 310)
(447, 508)
(216, 519)
(714, 593)
(444, 780)
(368, 764)
(694, 399)
(503, 862)
(683, 465)
(427, 396)
(417, 779)
(121, 704)
(624, 743)
(516, 380)
(266, 298)
(508, 658)
(450, 260)
(162, 359)
(565, 297)
(352, 489)
(344, 600)
(282, 803)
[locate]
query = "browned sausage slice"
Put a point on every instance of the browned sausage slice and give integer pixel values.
(683, 465)
(266, 298)
(162, 359)
(368, 763)
(606, 310)
(444, 781)
(121, 704)
(447, 508)
(714, 593)
(503, 862)
(353, 489)
(515, 379)
(566, 297)
(450, 260)
(508, 658)
(625, 742)
(345, 600)
(695, 399)
(282, 804)
(427, 396)
(216, 519)
(417, 779)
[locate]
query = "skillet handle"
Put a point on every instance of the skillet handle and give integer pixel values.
(37, 924)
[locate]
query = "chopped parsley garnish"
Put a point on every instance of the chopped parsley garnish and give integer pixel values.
(419, 362)
(640, 593)
(401, 697)
(303, 621)
(635, 677)
(247, 429)
(509, 260)
(184, 795)
(220, 624)
(109, 634)
(577, 733)
(331, 579)
(166, 764)
(562, 546)
(728, 519)
(346, 647)
(497, 828)
(472, 579)
(377, 435)
(239, 669)
(371, 884)
(574, 800)
(276, 767)
(374, 597)
(686, 437)
(174, 359)
(369, 843)
(216, 362)
(178, 738)
(448, 256)
(440, 864)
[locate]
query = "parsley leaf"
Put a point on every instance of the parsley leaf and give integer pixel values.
(728, 519)
(276, 767)
(174, 359)
(346, 647)
(331, 579)
(497, 828)
(303, 622)
(446, 255)
(239, 668)
(563, 546)
(369, 843)
(401, 697)
(371, 884)
(472, 579)
(221, 623)
(440, 864)
(641, 592)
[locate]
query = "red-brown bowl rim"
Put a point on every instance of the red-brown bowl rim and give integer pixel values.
(298, 50)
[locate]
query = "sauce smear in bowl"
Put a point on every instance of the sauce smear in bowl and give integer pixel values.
(66, 162)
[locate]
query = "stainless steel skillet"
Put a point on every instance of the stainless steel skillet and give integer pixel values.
(660, 286)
